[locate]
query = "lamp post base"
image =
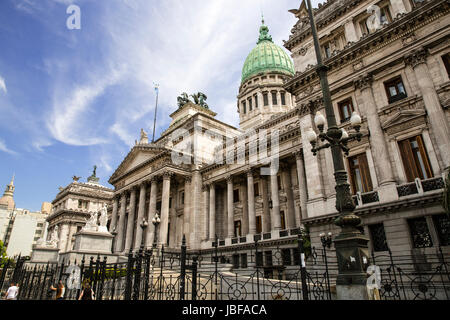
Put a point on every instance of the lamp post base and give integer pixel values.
(353, 259)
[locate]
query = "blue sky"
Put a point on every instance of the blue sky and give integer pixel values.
(70, 99)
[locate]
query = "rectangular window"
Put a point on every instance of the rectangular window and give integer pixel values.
(250, 105)
(415, 159)
(442, 226)
(40, 225)
(446, 59)
(395, 90)
(243, 260)
(360, 174)
(363, 27)
(280, 186)
(170, 202)
(327, 49)
(182, 197)
(274, 98)
(256, 101)
(286, 254)
(244, 109)
(268, 256)
(236, 261)
(345, 109)
(283, 98)
(80, 204)
(259, 259)
(378, 237)
(236, 195)
(256, 189)
(266, 99)
(385, 15)
(420, 234)
(237, 228)
(258, 224)
(283, 220)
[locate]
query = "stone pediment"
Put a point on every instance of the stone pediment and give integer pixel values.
(402, 116)
(137, 156)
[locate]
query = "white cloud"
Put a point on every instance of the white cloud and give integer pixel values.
(3, 84)
(4, 148)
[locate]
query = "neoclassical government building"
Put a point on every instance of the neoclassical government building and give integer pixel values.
(206, 178)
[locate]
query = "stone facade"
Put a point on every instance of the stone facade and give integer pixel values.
(73, 206)
(202, 198)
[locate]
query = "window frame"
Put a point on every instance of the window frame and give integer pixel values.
(394, 82)
(410, 162)
(363, 167)
(341, 105)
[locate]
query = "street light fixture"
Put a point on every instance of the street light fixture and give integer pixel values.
(144, 225)
(156, 221)
(351, 245)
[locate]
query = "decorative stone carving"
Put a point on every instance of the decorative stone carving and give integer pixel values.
(410, 38)
(416, 57)
(358, 65)
(144, 137)
(363, 82)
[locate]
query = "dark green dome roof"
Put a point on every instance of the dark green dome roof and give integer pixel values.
(266, 57)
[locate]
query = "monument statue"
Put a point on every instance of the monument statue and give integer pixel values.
(199, 99)
(91, 224)
(103, 219)
(53, 242)
(183, 99)
(144, 137)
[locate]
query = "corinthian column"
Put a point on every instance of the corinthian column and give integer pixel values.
(286, 172)
(130, 222)
(121, 229)
(377, 140)
(276, 217)
(439, 124)
(113, 224)
(251, 203)
(230, 209)
(301, 185)
(186, 208)
(266, 223)
(165, 208)
(140, 217)
(212, 212)
(152, 210)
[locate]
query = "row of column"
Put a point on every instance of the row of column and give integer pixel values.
(271, 218)
(130, 228)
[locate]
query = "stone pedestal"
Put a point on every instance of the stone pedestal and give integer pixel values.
(44, 254)
(93, 242)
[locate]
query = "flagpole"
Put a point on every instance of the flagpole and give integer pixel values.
(156, 109)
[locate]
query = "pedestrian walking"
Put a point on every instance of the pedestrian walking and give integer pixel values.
(60, 290)
(12, 292)
(87, 293)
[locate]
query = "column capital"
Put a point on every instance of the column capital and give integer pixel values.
(416, 57)
(205, 187)
(229, 179)
(363, 82)
(167, 175)
(284, 165)
(154, 178)
(298, 154)
(187, 179)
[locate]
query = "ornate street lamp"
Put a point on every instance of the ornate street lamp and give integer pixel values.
(156, 221)
(351, 245)
(144, 225)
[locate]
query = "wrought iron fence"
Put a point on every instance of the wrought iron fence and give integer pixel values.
(419, 276)
(255, 271)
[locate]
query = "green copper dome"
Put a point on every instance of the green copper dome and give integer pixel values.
(266, 57)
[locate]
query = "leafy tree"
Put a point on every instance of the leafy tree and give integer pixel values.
(3, 256)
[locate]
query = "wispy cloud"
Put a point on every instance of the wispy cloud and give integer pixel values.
(4, 148)
(3, 84)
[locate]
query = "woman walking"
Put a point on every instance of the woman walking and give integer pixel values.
(87, 293)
